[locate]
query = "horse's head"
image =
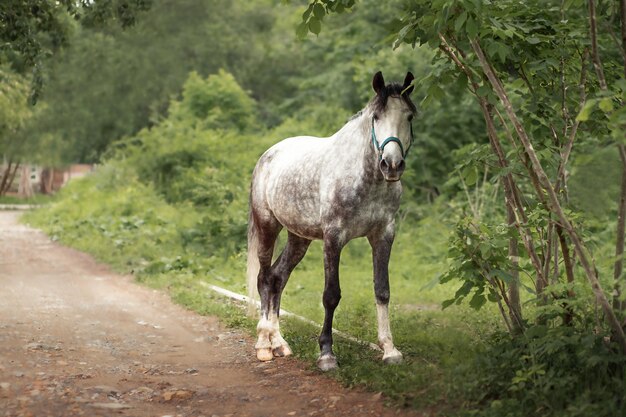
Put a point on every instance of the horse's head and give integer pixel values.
(392, 135)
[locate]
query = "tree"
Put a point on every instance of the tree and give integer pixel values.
(32, 30)
(14, 114)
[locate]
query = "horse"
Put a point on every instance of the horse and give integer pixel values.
(333, 189)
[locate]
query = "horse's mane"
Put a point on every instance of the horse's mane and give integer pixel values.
(379, 102)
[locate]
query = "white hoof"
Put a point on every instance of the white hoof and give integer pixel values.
(282, 351)
(392, 358)
(327, 362)
(264, 354)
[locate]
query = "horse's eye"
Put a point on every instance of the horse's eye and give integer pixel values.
(375, 116)
(411, 118)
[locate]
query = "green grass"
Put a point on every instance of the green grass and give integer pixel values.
(36, 199)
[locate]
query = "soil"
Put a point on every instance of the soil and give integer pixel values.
(77, 339)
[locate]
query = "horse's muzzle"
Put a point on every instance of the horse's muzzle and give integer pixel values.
(392, 170)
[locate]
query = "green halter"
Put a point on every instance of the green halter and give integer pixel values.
(381, 148)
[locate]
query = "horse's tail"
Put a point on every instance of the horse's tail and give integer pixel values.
(253, 266)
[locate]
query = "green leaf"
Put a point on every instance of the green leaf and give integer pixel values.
(404, 32)
(307, 13)
(477, 301)
(318, 11)
(585, 112)
(447, 303)
(492, 296)
(464, 290)
(606, 104)
(302, 30)
(485, 249)
(315, 26)
(461, 81)
(436, 92)
(458, 24)
(470, 176)
(483, 90)
(471, 28)
(533, 40)
(503, 275)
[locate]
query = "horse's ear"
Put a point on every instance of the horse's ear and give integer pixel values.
(407, 87)
(378, 82)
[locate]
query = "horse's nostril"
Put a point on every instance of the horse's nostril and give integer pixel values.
(384, 165)
(401, 166)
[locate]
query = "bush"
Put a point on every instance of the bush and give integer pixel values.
(549, 372)
(215, 103)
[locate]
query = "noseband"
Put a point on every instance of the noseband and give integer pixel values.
(380, 148)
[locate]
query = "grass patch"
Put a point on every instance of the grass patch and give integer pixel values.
(37, 199)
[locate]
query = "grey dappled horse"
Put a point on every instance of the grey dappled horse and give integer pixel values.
(334, 189)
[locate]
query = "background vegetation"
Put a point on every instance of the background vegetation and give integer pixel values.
(175, 101)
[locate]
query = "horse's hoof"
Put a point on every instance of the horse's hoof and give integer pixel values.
(282, 351)
(393, 358)
(327, 363)
(264, 354)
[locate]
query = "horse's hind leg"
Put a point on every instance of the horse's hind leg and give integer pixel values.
(279, 275)
(381, 251)
(267, 230)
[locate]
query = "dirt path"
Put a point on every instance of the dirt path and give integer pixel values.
(77, 339)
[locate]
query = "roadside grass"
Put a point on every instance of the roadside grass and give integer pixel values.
(36, 199)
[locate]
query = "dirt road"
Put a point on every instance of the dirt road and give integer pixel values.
(77, 339)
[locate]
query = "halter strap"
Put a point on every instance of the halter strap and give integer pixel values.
(381, 148)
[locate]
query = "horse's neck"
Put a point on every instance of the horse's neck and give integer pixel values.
(353, 144)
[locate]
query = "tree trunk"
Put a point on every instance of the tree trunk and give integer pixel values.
(569, 273)
(618, 304)
(553, 200)
(45, 183)
(516, 309)
(5, 178)
(10, 177)
(25, 188)
(622, 15)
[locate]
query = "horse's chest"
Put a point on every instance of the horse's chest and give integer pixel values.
(359, 210)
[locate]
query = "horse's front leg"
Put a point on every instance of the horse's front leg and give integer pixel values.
(381, 250)
(331, 297)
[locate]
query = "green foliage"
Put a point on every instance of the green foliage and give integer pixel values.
(33, 30)
(15, 113)
(480, 260)
(187, 160)
(549, 372)
(110, 82)
(217, 102)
